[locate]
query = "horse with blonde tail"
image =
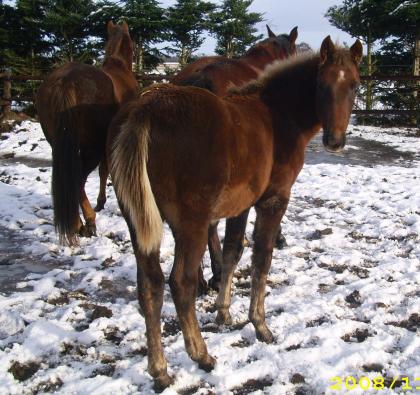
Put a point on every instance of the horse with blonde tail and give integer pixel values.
(188, 157)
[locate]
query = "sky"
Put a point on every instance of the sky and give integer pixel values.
(283, 15)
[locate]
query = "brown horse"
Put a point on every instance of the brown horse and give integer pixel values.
(76, 104)
(186, 156)
(218, 75)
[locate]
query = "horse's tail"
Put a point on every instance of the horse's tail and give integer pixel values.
(132, 184)
(66, 169)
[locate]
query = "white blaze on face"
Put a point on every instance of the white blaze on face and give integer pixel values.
(341, 76)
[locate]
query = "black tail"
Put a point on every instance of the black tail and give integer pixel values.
(66, 179)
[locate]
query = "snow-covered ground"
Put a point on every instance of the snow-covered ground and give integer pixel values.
(343, 297)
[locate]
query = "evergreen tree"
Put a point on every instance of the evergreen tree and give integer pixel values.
(233, 25)
(147, 23)
(106, 10)
(69, 24)
(394, 25)
(361, 19)
(9, 25)
(187, 20)
(31, 42)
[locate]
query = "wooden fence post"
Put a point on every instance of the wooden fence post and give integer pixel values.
(6, 100)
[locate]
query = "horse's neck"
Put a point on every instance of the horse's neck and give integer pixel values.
(125, 84)
(115, 63)
(292, 101)
(258, 58)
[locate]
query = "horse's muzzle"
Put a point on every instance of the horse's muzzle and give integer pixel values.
(333, 142)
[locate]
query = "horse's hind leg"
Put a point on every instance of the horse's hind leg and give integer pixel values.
(190, 244)
(89, 228)
(89, 161)
(232, 251)
(103, 176)
(150, 282)
(268, 219)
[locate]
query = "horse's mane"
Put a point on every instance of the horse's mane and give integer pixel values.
(284, 67)
(272, 71)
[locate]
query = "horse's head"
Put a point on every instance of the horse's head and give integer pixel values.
(281, 46)
(338, 79)
(119, 43)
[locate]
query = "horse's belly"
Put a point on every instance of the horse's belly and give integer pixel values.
(233, 201)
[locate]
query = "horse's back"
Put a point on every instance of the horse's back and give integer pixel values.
(193, 68)
(220, 75)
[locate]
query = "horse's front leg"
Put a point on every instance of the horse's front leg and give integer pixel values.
(103, 176)
(232, 251)
(190, 244)
(216, 257)
(281, 242)
(269, 214)
(215, 252)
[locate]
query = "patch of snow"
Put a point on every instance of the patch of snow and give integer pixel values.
(342, 298)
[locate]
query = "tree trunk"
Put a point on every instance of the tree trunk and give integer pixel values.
(183, 58)
(229, 49)
(369, 84)
(415, 121)
(140, 58)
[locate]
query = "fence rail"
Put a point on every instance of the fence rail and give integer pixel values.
(7, 98)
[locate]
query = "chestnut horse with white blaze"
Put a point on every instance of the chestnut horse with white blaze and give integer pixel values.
(187, 157)
(75, 105)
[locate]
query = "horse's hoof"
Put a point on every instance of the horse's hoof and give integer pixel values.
(280, 241)
(202, 288)
(223, 317)
(207, 363)
(88, 230)
(264, 334)
(99, 206)
(214, 283)
(162, 382)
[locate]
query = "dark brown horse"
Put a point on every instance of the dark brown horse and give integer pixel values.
(75, 106)
(218, 75)
(186, 156)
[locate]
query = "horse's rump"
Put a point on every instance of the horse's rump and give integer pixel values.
(83, 90)
(207, 156)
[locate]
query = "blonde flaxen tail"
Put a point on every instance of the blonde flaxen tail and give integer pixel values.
(132, 184)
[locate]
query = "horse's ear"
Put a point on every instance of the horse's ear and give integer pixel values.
(356, 51)
(270, 32)
(110, 27)
(124, 26)
(327, 49)
(293, 34)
